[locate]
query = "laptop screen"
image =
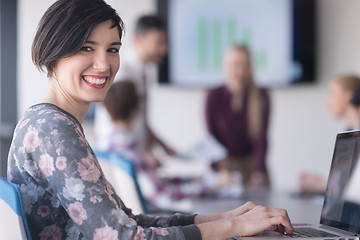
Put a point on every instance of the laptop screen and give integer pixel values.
(341, 207)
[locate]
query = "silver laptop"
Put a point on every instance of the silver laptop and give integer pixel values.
(340, 216)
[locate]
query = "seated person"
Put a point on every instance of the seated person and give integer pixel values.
(64, 190)
(122, 104)
(343, 101)
(237, 115)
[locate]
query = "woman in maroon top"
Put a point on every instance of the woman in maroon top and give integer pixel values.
(237, 115)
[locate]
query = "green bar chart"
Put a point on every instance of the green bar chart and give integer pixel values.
(215, 36)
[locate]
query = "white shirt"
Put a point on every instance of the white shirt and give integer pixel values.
(132, 69)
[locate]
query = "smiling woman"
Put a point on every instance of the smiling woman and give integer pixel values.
(85, 77)
(65, 194)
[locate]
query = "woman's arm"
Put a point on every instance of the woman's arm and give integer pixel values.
(246, 220)
(69, 171)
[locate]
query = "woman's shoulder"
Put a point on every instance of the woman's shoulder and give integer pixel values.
(46, 117)
(48, 111)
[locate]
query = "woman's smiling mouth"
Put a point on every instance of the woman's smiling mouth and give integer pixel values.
(95, 81)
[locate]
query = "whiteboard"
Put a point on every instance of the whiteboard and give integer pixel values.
(200, 32)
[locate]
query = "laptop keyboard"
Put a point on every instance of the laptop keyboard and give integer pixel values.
(310, 232)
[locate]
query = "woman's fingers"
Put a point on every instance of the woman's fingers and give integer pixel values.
(281, 218)
(261, 218)
(240, 210)
(274, 218)
(283, 224)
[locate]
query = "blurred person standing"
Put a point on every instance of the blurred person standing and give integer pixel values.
(122, 103)
(343, 101)
(150, 47)
(237, 115)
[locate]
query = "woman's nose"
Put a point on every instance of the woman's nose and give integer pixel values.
(101, 62)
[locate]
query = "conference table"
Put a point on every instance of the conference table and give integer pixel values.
(301, 208)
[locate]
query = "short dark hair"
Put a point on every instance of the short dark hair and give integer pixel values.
(149, 22)
(64, 28)
(121, 100)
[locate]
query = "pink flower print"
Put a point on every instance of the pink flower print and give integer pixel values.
(46, 164)
(21, 149)
(109, 189)
(77, 212)
(60, 163)
(31, 140)
(140, 235)
(110, 192)
(40, 121)
(160, 231)
(23, 123)
(60, 116)
(43, 211)
(52, 232)
(58, 151)
(95, 199)
(107, 233)
(54, 132)
(88, 170)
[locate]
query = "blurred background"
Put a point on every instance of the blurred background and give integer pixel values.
(302, 131)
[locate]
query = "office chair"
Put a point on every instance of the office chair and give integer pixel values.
(13, 224)
(120, 172)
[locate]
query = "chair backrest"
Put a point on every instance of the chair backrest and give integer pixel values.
(13, 224)
(120, 173)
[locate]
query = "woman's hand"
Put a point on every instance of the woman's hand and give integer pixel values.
(246, 220)
(310, 183)
(261, 218)
(239, 210)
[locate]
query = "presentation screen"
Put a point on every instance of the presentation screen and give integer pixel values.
(200, 32)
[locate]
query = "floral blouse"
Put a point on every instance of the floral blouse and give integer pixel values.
(64, 191)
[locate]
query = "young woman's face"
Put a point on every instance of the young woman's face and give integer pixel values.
(86, 76)
(338, 99)
(237, 69)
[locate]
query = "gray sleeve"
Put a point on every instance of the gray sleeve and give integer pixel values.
(191, 232)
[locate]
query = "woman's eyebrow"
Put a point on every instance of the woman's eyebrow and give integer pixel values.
(111, 44)
(116, 43)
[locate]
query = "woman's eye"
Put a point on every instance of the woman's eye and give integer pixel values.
(86, 49)
(113, 50)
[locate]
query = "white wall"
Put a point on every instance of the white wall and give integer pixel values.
(302, 131)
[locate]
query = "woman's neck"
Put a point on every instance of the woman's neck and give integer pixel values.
(237, 98)
(56, 96)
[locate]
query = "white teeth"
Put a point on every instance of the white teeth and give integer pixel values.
(93, 80)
